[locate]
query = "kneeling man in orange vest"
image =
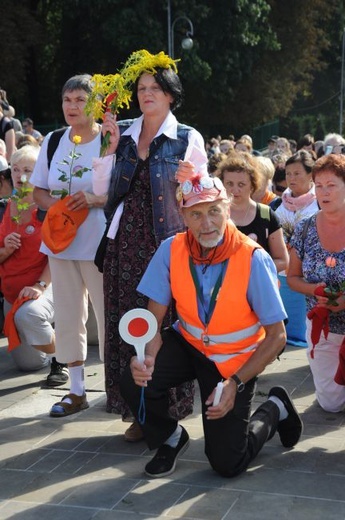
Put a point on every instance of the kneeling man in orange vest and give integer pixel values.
(229, 328)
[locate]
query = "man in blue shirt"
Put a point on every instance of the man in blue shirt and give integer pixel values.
(230, 327)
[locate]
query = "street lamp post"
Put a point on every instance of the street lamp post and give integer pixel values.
(342, 86)
(187, 42)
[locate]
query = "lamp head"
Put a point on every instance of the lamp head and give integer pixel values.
(187, 43)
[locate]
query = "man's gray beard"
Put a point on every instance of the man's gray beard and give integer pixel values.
(209, 243)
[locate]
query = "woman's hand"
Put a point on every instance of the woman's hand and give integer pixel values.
(77, 201)
(226, 403)
(12, 241)
(142, 372)
(33, 292)
(110, 125)
(185, 171)
(341, 305)
(83, 199)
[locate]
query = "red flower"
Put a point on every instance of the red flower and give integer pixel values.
(195, 180)
(109, 99)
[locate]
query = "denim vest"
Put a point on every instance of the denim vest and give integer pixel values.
(163, 164)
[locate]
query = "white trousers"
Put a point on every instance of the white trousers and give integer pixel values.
(329, 394)
(73, 281)
(33, 322)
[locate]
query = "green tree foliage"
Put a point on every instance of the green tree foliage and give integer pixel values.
(278, 77)
(251, 59)
(19, 33)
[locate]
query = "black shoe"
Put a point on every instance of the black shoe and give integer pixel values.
(164, 462)
(58, 374)
(291, 428)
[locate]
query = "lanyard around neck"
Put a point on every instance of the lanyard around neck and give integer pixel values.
(215, 291)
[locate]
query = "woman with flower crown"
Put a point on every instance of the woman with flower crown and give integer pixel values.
(74, 275)
(317, 270)
(149, 150)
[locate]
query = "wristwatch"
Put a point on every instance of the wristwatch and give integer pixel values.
(239, 383)
(41, 283)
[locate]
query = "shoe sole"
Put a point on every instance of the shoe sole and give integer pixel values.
(132, 440)
(56, 383)
(181, 452)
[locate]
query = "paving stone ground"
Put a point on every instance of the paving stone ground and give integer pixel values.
(80, 467)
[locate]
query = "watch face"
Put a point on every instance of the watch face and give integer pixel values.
(240, 387)
(239, 383)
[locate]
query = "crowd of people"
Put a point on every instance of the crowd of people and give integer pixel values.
(235, 252)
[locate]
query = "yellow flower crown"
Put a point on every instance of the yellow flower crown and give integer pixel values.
(118, 86)
(143, 61)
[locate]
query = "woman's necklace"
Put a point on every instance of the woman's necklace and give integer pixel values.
(241, 221)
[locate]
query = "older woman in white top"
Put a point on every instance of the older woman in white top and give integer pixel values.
(298, 202)
(74, 275)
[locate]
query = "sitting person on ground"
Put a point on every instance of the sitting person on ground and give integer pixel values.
(230, 327)
(25, 275)
(318, 263)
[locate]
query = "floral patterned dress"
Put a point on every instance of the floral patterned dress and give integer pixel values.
(315, 270)
(125, 262)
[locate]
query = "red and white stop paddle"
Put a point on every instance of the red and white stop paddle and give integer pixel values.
(137, 327)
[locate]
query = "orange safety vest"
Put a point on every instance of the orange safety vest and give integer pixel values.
(234, 331)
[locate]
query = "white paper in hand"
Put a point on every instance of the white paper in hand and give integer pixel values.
(196, 155)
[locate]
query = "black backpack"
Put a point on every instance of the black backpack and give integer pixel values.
(53, 143)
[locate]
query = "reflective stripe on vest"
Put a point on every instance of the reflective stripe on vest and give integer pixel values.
(216, 339)
(221, 358)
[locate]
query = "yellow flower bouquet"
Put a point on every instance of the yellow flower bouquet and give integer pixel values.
(114, 91)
